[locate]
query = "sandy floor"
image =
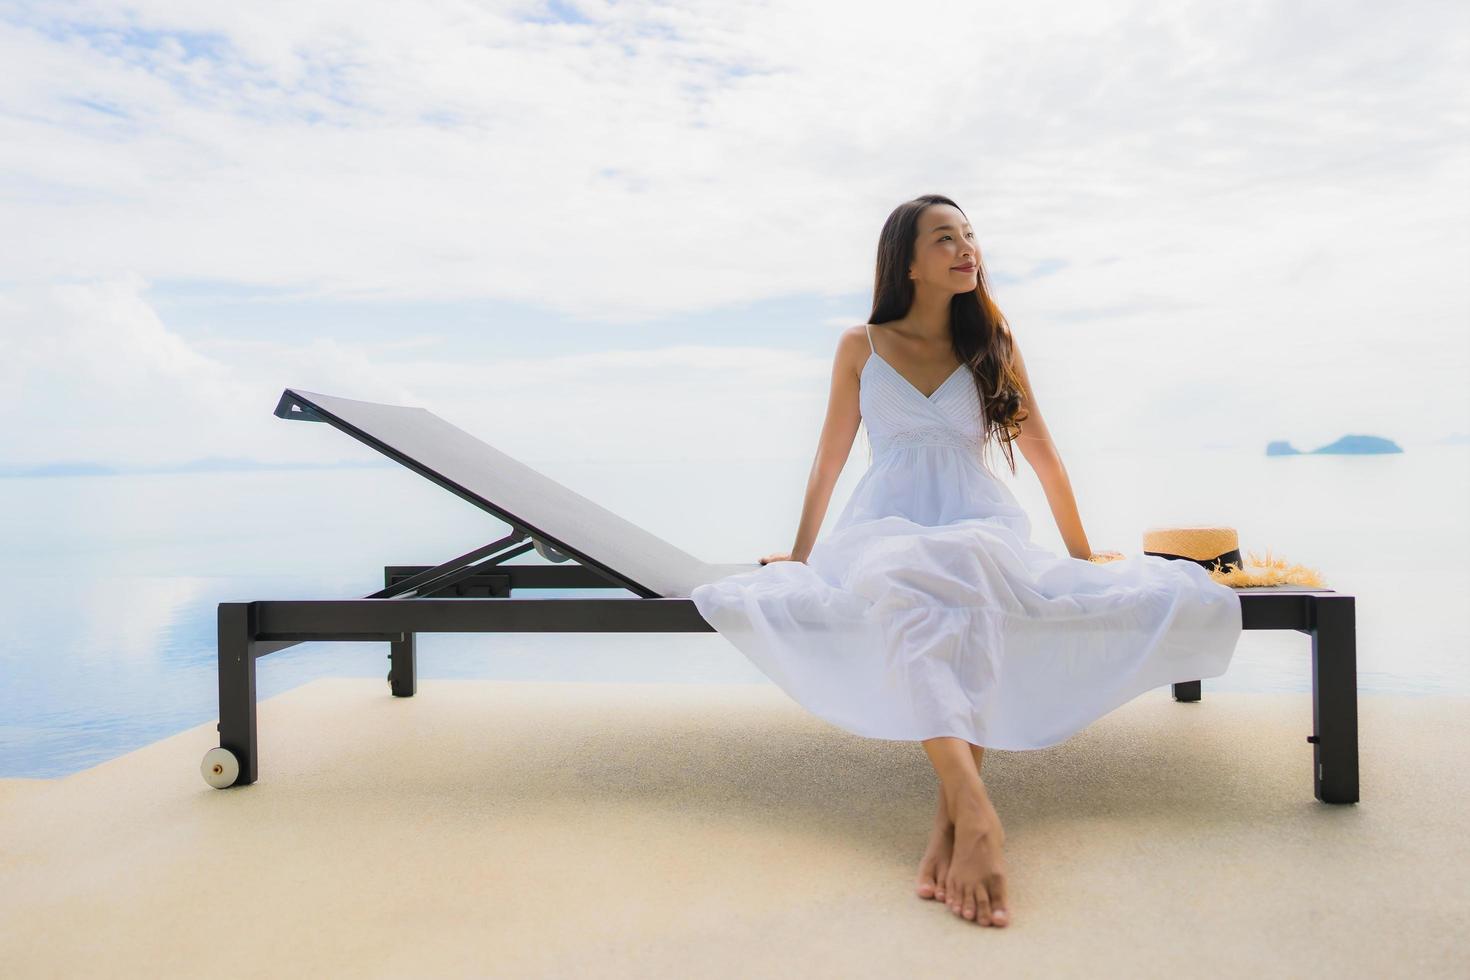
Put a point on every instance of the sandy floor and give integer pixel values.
(512, 829)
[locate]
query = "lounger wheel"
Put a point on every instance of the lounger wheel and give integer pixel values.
(220, 768)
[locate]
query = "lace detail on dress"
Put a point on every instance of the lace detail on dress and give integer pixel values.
(926, 435)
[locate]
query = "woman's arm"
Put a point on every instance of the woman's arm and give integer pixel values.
(835, 443)
(1037, 447)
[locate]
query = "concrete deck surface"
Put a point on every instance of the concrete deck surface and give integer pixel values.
(487, 828)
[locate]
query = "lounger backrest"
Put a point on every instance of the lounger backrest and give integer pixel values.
(511, 491)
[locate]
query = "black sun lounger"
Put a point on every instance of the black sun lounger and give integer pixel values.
(473, 592)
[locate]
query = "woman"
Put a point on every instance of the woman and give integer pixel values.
(927, 613)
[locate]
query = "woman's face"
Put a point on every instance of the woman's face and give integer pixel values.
(945, 246)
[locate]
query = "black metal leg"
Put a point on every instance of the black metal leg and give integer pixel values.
(1187, 691)
(403, 672)
(237, 686)
(1334, 700)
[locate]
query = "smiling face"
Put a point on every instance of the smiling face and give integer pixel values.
(945, 241)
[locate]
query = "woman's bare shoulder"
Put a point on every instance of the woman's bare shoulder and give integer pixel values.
(853, 346)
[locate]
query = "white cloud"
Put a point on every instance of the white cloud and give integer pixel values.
(1264, 199)
(94, 375)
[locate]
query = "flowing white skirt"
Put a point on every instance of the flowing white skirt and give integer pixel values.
(928, 611)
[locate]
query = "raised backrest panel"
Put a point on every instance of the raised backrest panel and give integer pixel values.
(515, 493)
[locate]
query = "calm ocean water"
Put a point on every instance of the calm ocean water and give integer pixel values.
(110, 611)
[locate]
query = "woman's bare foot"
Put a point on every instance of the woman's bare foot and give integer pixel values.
(976, 882)
(934, 865)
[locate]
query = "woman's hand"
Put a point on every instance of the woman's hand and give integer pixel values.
(1103, 557)
(778, 556)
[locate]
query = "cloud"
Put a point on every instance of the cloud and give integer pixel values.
(97, 376)
(651, 158)
(1270, 196)
(91, 370)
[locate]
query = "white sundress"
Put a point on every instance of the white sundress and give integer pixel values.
(928, 611)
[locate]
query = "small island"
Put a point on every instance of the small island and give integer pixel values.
(1346, 446)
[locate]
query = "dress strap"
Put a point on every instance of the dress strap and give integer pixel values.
(869, 327)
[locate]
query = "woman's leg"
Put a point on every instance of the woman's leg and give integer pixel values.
(934, 865)
(975, 881)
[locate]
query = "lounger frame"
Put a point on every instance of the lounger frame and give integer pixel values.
(479, 598)
(475, 593)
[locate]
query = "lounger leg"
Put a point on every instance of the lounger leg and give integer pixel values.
(1187, 691)
(1334, 700)
(237, 687)
(403, 673)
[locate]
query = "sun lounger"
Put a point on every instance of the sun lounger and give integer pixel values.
(589, 547)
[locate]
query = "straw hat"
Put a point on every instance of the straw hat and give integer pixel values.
(1217, 550)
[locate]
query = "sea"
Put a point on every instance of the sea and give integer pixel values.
(109, 640)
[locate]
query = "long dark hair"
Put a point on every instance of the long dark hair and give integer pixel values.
(980, 333)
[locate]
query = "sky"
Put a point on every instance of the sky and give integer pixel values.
(635, 230)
